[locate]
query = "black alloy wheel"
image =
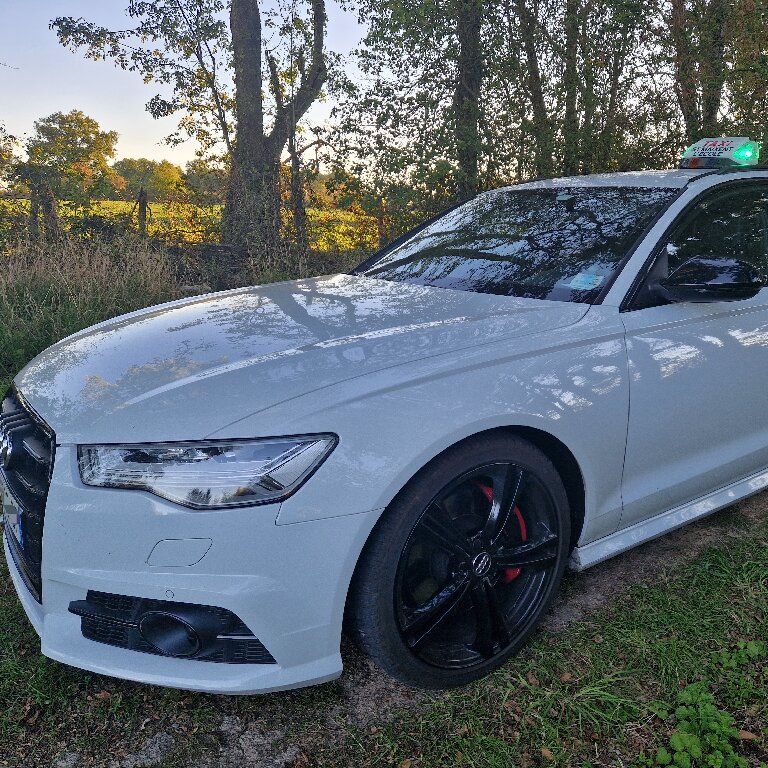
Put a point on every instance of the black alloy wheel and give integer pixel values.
(463, 564)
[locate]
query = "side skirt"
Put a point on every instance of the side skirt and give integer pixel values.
(627, 538)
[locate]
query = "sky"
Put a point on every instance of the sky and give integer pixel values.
(38, 76)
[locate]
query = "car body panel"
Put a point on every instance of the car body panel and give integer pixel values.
(276, 579)
(698, 417)
(182, 371)
(597, 551)
(573, 387)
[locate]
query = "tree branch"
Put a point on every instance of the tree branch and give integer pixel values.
(311, 84)
(210, 76)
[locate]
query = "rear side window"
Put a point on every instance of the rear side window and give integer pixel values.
(561, 244)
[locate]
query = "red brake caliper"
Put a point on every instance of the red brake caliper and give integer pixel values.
(510, 574)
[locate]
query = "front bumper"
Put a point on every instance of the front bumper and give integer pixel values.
(288, 583)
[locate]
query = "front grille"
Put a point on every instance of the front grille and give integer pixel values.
(27, 448)
(114, 619)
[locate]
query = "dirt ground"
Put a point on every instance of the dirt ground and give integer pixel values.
(291, 723)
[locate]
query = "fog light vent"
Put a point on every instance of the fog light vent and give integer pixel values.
(180, 630)
(169, 634)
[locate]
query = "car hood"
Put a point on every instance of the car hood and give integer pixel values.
(187, 369)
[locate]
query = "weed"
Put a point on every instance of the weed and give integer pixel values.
(704, 736)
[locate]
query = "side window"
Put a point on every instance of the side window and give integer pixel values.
(727, 224)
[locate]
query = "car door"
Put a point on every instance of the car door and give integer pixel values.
(698, 413)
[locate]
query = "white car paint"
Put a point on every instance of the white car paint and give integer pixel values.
(400, 373)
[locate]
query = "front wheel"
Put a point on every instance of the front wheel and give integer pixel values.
(463, 564)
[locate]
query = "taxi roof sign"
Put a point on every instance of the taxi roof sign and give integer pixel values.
(724, 152)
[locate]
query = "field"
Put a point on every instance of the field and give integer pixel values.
(329, 230)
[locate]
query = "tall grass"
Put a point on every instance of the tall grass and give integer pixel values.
(48, 291)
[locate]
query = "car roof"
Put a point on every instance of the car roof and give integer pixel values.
(676, 179)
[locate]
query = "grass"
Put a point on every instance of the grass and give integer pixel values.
(592, 696)
(611, 690)
(48, 292)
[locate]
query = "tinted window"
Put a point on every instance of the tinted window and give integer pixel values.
(561, 244)
(731, 225)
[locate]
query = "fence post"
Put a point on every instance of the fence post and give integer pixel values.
(143, 211)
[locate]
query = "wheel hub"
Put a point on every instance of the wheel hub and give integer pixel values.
(481, 564)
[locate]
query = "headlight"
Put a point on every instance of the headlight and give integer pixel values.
(208, 475)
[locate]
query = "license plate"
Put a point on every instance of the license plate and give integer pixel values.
(11, 512)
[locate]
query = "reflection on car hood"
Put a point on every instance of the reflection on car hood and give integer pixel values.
(186, 369)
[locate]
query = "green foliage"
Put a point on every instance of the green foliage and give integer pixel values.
(14, 213)
(206, 181)
(70, 153)
(617, 89)
(161, 179)
(7, 153)
(704, 735)
(181, 45)
(337, 231)
(740, 684)
(394, 153)
(331, 231)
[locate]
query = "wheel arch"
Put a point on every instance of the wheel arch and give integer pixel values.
(567, 467)
(553, 448)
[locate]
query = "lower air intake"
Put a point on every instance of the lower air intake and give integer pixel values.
(138, 624)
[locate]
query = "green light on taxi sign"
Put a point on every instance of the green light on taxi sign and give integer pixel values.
(747, 154)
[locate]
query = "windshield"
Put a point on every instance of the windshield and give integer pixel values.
(562, 244)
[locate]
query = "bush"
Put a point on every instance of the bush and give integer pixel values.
(50, 291)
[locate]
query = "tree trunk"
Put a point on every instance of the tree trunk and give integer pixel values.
(571, 85)
(298, 205)
(381, 222)
(588, 95)
(608, 132)
(251, 219)
(467, 97)
(34, 213)
(712, 64)
(686, 80)
(143, 205)
(48, 206)
(542, 125)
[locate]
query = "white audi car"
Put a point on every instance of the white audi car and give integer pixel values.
(202, 494)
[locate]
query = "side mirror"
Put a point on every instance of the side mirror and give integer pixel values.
(706, 280)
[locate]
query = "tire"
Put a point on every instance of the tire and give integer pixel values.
(452, 583)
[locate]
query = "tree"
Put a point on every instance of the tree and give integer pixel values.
(206, 181)
(698, 40)
(7, 154)
(161, 179)
(185, 45)
(559, 87)
(418, 117)
(252, 213)
(466, 100)
(68, 157)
